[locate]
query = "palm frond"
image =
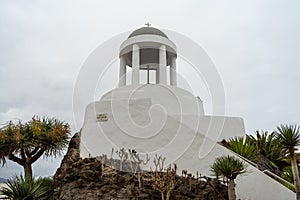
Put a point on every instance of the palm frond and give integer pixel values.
(242, 146)
(288, 135)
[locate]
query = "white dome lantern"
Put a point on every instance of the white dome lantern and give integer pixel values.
(148, 48)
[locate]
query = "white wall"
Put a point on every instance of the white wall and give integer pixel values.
(150, 125)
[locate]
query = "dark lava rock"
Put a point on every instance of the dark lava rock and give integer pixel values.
(89, 179)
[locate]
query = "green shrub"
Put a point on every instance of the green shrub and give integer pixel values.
(20, 188)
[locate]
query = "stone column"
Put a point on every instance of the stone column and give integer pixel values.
(173, 74)
(135, 64)
(162, 65)
(157, 75)
(122, 74)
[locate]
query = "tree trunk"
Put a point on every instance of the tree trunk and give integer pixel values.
(168, 195)
(231, 190)
(162, 196)
(295, 173)
(28, 170)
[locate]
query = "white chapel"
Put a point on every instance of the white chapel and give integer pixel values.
(157, 116)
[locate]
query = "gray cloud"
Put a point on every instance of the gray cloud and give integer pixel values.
(254, 44)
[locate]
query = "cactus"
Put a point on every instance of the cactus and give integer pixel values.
(184, 173)
(191, 178)
(135, 157)
(123, 155)
(164, 182)
(112, 152)
(159, 162)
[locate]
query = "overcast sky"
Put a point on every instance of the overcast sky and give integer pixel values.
(255, 46)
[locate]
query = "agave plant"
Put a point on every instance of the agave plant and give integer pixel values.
(229, 167)
(20, 188)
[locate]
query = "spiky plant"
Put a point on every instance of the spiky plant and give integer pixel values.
(242, 146)
(266, 144)
(20, 188)
(289, 137)
(268, 150)
(229, 167)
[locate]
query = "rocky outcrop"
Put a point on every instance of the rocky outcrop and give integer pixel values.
(75, 176)
(79, 178)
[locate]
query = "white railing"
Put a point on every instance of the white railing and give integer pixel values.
(278, 178)
(267, 172)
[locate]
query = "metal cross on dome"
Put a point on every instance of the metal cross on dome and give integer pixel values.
(148, 24)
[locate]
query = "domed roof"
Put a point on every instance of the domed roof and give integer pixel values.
(147, 30)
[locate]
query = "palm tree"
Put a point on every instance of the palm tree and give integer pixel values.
(289, 137)
(25, 143)
(268, 151)
(266, 144)
(229, 167)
